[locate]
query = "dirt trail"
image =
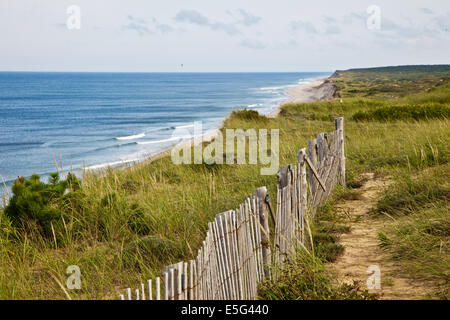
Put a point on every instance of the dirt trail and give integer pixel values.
(362, 251)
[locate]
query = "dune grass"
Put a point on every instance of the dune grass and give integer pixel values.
(305, 277)
(413, 150)
(419, 238)
(123, 226)
(408, 112)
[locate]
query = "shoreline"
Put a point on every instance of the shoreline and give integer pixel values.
(302, 93)
(318, 89)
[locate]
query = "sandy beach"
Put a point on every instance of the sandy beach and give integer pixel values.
(318, 89)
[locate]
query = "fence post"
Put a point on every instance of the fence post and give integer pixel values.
(312, 155)
(339, 124)
(236, 253)
(303, 205)
(260, 195)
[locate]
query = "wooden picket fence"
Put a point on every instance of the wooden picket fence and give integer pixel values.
(237, 252)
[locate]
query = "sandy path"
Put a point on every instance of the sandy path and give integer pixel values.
(362, 251)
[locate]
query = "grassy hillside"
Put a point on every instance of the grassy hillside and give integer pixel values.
(397, 126)
(122, 226)
(390, 82)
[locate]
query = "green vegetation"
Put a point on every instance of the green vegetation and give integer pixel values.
(390, 82)
(412, 193)
(327, 229)
(408, 112)
(123, 226)
(419, 239)
(305, 278)
(34, 203)
(249, 115)
(397, 126)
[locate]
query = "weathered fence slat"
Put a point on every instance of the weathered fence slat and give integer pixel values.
(237, 251)
(158, 288)
(316, 174)
(339, 124)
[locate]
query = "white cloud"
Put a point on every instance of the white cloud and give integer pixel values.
(304, 26)
(245, 18)
(442, 22)
(252, 44)
(162, 27)
(284, 35)
(143, 27)
(426, 10)
(137, 24)
(195, 17)
(192, 16)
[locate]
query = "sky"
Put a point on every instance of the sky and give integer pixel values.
(221, 36)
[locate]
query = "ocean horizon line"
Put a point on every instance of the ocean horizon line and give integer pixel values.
(165, 72)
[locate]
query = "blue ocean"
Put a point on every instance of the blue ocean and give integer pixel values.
(99, 119)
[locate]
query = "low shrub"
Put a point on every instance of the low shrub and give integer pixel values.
(35, 202)
(407, 112)
(245, 114)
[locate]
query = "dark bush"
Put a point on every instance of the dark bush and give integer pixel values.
(245, 114)
(36, 203)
